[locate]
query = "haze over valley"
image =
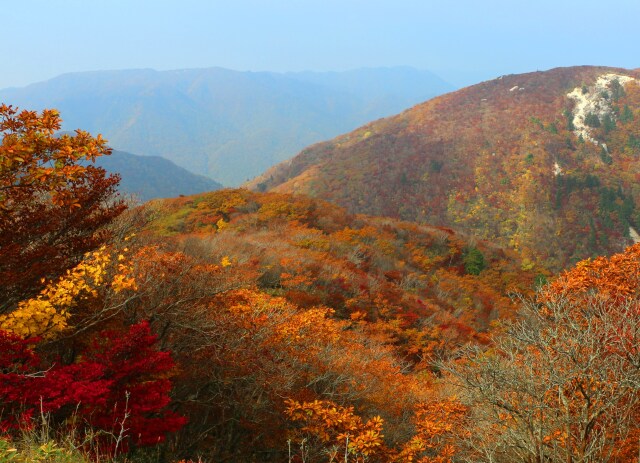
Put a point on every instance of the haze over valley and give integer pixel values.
(227, 125)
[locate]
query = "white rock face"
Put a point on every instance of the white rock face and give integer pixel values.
(633, 234)
(557, 170)
(593, 102)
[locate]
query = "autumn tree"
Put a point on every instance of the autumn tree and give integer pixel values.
(118, 389)
(335, 433)
(75, 355)
(63, 280)
(53, 202)
(561, 383)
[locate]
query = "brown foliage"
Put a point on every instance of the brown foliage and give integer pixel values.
(482, 159)
(561, 383)
(53, 206)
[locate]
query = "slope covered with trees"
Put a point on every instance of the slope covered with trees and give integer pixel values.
(222, 325)
(314, 309)
(244, 326)
(520, 160)
(298, 247)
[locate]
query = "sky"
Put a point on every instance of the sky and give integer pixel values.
(464, 41)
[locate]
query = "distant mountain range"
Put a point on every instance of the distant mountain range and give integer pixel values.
(547, 163)
(228, 125)
(150, 177)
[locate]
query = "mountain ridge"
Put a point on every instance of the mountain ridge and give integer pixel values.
(473, 158)
(153, 177)
(229, 125)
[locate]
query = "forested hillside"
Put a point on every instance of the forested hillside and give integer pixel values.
(254, 327)
(364, 305)
(544, 163)
(220, 321)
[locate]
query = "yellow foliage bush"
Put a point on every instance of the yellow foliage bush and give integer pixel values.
(46, 314)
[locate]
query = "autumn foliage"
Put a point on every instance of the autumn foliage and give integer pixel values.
(485, 159)
(561, 382)
(294, 301)
(118, 383)
(241, 326)
(53, 207)
(59, 279)
(341, 435)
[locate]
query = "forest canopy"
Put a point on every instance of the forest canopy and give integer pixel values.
(243, 326)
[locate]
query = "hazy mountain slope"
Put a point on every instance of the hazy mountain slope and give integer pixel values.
(501, 159)
(226, 124)
(149, 177)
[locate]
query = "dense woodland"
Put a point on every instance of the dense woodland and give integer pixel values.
(484, 159)
(246, 326)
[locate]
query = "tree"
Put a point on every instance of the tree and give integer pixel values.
(473, 261)
(328, 429)
(45, 316)
(617, 90)
(552, 389)
(627, 114)
(65, 273)
(120, 387)
(605, 156)
(592, 120)
(608, 123)
(54, 204)
(561, 383)
(569, 116)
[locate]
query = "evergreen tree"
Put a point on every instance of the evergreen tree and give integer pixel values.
(474, 262)
(592, 120)
(627, 114)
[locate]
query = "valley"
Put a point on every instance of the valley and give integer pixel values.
(225, 124)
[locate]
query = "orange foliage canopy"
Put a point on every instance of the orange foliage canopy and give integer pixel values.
(343, 433)
(561, 382)
(616, 278)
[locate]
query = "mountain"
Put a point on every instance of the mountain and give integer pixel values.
(225, 124)
(149, 177)
(546, 163)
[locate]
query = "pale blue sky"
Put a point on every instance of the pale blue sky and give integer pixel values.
(464, 40)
